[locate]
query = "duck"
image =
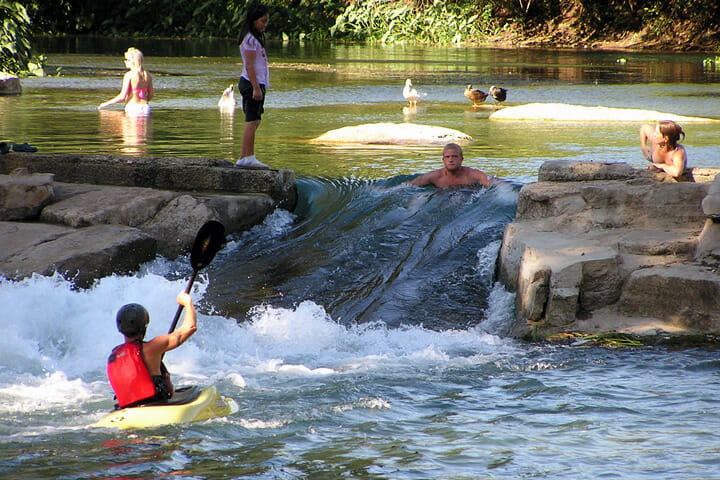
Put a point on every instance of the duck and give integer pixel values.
(475, 95)
(499, 94)
(412, 95)
(227, 101)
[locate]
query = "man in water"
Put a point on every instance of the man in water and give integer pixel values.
(453, 173)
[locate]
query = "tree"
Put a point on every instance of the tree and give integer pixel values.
(15, 46)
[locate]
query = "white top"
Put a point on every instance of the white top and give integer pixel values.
(251, 44)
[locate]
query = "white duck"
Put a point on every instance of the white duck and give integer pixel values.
(227, 101)
(412, 95)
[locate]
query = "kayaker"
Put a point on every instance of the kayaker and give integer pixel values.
(135, 369)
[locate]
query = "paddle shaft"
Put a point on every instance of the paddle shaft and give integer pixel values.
(180, 307)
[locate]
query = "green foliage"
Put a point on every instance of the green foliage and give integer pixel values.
(711, 64)
(189, 18)
(387, 21)
(15, 47)
(303, 19)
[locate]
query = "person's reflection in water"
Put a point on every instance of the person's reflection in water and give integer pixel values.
(227, 131)
(130, 132)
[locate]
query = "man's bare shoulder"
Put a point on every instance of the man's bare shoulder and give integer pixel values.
(473, 175)
(429, 178)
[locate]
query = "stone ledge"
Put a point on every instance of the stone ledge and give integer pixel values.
(193, 174)
(602, 247)
(127, 216)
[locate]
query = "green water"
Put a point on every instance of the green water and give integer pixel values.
(320, 87)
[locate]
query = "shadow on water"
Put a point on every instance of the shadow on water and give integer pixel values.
(372, 251)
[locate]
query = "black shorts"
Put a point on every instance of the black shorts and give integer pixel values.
(253, 108)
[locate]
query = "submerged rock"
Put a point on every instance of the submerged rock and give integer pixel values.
(392, 134)
(563, 112)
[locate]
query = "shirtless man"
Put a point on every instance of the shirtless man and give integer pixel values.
(660, 147)
(453, 173)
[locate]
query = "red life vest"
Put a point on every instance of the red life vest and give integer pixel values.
(129, 375)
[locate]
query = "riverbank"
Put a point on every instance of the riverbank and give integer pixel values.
(567, 33)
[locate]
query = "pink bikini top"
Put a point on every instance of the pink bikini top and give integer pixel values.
(141, 92)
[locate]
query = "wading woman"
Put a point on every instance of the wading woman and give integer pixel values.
(254, 80)
(137, 88)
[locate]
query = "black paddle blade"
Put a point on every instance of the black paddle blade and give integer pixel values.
(210, 238)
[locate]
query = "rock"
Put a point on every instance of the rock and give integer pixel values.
(175, 225)
(134, 209)
(683, 295)
(9, 84)
(563, 171)
(711, 203)
(563, 112)
(84, 205)
(595, 248)
(392, 134)
(196, 175)
(708, 247)
(557, 277)
(23, 196)
(81, 255)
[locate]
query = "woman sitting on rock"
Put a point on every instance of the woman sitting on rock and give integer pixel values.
(660, 147)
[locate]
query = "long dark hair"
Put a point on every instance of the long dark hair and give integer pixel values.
(254, 11)
(671, 130)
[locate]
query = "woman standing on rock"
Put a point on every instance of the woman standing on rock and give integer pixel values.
(255, 78)
(137, 88)
(660, 147)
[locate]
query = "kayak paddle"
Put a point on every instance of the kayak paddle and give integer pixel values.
(208, 241)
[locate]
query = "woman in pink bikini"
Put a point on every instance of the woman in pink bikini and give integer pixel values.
(137, 88)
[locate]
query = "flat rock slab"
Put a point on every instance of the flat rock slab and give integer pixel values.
(392, 134)
(79, 254)
(563, 112)
(79, 205)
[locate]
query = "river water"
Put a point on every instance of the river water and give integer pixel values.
(362, 334)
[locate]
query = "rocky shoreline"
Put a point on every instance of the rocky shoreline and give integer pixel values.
(87, 217)
(604, 247)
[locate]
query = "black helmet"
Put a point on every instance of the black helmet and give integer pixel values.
(132, 320)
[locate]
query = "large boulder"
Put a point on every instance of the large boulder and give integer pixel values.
(603, 247)
(23, 196)
(563, 112)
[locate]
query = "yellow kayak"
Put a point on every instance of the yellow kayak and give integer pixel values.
(189, 404)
